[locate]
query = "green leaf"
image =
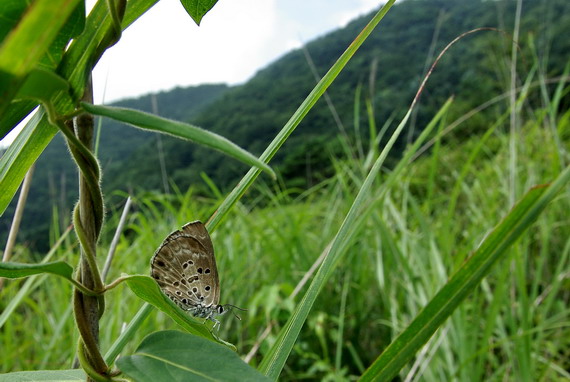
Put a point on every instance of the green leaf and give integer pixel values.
(74, 375)
(464, 281)
(42, 85)
(198, 8)
(59, 268)
(29, 41)
(135, 9)
(10, 14)
(148, 290)
(175, 356)
(182, 130)
(21, 154)
(17, 270)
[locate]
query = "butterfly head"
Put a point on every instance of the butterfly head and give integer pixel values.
(229, 307)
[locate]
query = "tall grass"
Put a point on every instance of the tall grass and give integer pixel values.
(514, 327)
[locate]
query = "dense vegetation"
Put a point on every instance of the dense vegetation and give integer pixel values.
(389, 67)
(418, 231)
(434, 217)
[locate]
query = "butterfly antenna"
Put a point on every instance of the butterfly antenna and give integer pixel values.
(235, 307)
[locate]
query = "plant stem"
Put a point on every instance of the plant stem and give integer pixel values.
(88, 219)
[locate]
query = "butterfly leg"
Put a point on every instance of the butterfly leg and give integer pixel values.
(216, 324)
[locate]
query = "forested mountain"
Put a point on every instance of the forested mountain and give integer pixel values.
(389, 67)
(54, 185)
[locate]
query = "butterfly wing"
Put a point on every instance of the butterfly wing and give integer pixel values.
(185, 268)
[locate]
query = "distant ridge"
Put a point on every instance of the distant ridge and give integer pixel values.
(389, 67)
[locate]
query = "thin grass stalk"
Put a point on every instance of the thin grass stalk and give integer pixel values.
(342, 316)
(15, 227)
(513, 108)
(116, 238)
(127, 334)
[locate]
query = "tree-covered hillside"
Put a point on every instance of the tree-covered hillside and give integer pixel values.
(55, 177)
(388, 68)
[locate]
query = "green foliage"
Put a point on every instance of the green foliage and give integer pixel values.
(251, 114)
(402, 258)
(147, 289)
(15, 270)
(52, 187)
(184, 357)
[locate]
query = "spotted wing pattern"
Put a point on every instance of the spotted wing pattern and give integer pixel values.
(184, 267)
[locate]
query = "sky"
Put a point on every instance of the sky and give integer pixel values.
(165, 48)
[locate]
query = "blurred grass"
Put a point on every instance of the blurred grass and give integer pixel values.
(403, 254)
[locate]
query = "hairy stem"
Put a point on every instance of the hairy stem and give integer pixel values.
(87, 219)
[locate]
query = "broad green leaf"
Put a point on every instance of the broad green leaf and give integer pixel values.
(74, 375)
(177, 356)
(10, 12)
(42, 85)
(59, 268)
(464, 281)
(182, 130)
(38, 28)
(148, 290)
(198, 8)
(71, 29)
(17, 270)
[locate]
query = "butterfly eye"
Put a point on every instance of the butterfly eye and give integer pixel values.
(220, 309)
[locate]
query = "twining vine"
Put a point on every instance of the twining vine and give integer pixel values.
(88, 216)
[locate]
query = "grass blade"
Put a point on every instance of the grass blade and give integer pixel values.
(296, 118)
(404, 347)
(182, 130)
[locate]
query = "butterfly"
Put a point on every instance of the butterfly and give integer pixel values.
(185, 269)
